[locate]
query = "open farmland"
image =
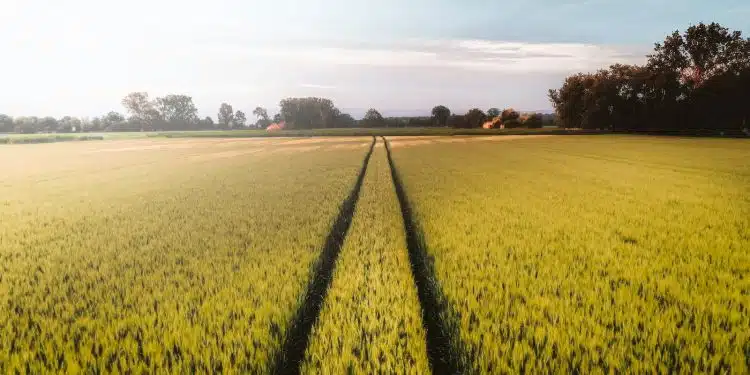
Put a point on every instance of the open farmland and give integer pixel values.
(482, 254)
(172, 256)
(587, 254)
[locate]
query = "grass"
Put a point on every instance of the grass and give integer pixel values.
(47, 138)
(67, 137)
(177, 259)
(589, 254)
(371, 319)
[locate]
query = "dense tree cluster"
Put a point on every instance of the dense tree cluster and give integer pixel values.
(312, 113)
(171, 112)
(694, 82)
(494, 118)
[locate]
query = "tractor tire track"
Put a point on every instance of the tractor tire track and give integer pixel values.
(293, 349)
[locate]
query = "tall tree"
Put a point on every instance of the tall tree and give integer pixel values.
(239, 119)
(702, 52)
(373, 119)
(177, 111)
(225, 116)
(141, 109)
(697, 78)
(568, 101)
(26, 125)
(475, 118)
(69, 124)
(6, 123)
(262, 115)
(48, 124)
(441, 114)
(112, 119)
(493, 112)
(94, 125)
(695, 82)
(260, 112)
(307, 113)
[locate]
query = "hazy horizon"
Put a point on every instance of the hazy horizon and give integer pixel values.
(81, 57)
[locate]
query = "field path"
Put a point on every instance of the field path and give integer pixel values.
(296, 342)
(371, 320)
(442, 339)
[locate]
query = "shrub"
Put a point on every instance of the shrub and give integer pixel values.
(534, 121)
(513, 123)
(509, 114)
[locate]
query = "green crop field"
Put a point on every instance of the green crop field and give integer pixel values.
(151, 257)
(588, 254)
(475, 254)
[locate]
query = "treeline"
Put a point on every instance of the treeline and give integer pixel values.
(695, 82)
(317, 113)
(178, 112)
(171, 112)
(167, 113)
(494, 118)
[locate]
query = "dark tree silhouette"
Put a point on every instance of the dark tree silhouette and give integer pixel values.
(475, 118)
(440, 114)
(695, 82)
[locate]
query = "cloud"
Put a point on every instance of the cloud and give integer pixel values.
(481, 55)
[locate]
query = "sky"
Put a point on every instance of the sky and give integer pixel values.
(80, 57)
